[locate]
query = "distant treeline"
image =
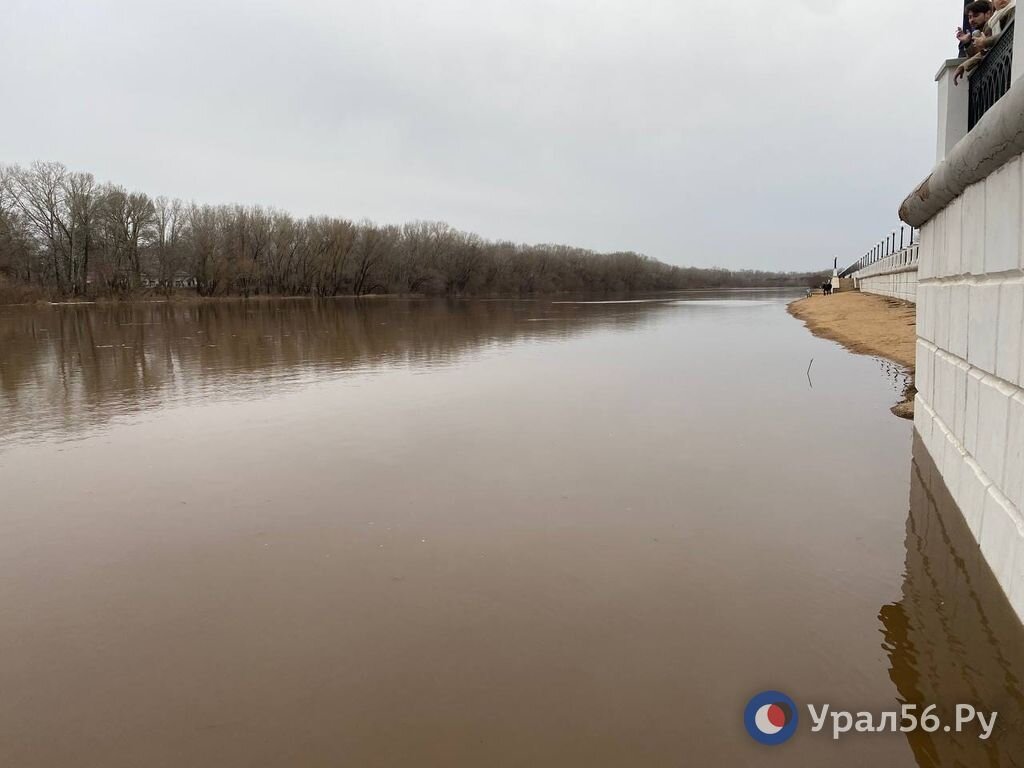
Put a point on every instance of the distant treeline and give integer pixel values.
(63, 234)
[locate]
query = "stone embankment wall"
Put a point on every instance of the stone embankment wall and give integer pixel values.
(895, 276)
(970, 325)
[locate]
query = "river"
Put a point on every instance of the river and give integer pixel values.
(473, 533)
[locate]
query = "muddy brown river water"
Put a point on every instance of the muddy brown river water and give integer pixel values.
(473, 533)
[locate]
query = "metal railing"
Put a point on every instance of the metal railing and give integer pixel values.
(897, 241)
(991, 80)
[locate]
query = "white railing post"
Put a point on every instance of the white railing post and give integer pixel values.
(953, 100)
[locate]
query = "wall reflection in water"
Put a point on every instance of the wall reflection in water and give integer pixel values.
(953, 637)
(65, 368)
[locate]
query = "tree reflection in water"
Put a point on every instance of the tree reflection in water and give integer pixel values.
(66, 368)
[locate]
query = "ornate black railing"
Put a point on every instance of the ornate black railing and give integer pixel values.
(991, 80)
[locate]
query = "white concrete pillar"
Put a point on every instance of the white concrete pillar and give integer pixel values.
(953, 101)
(1018, 56)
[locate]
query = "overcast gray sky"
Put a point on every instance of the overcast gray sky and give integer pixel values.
(752, 134)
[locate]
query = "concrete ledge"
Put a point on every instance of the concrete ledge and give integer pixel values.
(947, 64)
(883, 272)
(996, 139)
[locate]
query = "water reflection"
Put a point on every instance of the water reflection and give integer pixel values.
(65, 368)
(953, 637)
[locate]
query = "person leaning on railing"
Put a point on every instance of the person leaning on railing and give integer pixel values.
(977, 15)
(1000, 15)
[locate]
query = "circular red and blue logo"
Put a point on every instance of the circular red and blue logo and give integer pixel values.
(771, 718)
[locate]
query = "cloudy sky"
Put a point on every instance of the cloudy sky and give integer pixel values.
(753, 134)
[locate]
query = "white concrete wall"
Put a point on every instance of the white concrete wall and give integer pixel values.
(970, 366)
(896, 285)
(895, 276)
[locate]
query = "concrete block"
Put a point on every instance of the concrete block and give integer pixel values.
(926, 311)
(937, 446)
(953, 248)
(1013, 473)
(974, 379)
(973, 229)
(943, 292)
(1002, 218)
(927, 267)
(973, 493)
(982, 326)
(959, 316)
(952, 464)
(944, 387)
(1001, 533)
(924, 367)
(1010, 335)
(923, 417)
(921, 355)
(920, 324)
(928, 433)
(1020, 372)
(993, 427)
(960, 373)
(937, 326)
(939, 244)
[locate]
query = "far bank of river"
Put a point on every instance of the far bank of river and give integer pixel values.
(34, 298)
(868, 325)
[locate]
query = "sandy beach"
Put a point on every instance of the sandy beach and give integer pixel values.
(867, 325)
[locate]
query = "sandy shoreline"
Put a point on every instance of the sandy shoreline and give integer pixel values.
(867, 325)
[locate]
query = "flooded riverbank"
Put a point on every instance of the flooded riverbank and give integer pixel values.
(427, 533)
(868, 325)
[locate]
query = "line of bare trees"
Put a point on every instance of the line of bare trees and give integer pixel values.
(64, 234)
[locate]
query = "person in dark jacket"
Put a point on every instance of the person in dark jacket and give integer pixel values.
(976, 16)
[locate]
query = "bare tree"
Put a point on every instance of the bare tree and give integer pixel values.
(71, 236)
(333, 242)
(82, 198)
(39, 192)
(374, 246)
(168, 223)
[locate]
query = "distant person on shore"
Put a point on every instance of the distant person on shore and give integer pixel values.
(826, 289)
(1000, 16)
